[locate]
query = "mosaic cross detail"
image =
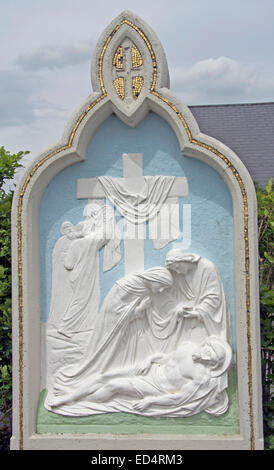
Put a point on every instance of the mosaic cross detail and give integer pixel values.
(127, 65)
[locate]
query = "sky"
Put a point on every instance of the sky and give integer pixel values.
(218, 52)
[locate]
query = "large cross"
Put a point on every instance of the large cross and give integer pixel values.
(133, 178)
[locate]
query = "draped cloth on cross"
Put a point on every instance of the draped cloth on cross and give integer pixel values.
(140, 199)
(138, 208)
(142, 206)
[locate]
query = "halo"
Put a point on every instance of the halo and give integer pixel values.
(220, 369)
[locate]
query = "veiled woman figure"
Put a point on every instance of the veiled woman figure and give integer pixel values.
(196, 301)
(202, 306)
(122, 326)
(122, 334)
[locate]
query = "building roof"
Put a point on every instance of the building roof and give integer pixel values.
(248, 129)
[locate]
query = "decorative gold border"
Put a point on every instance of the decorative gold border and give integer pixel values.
(192, 141)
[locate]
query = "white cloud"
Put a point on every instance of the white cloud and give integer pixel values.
(53, 57)
(221, 80)
(22, 100)
(39, 83)
(48, 47)
(16, 97)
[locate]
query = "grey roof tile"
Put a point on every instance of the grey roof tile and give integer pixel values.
(248, 129)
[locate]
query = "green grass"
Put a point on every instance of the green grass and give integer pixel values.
(126, 423)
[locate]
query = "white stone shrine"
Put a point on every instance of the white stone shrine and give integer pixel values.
(135, 286)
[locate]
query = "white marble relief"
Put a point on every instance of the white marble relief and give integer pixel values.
(75, 294)
(75, 276)
(159, 311)
(160, 346)
(60, 298)
(201, 304)
(181, 383)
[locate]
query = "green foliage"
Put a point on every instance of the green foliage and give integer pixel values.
(8, 166)
(265, 199)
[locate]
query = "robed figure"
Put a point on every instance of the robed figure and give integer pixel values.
(199, 295)
(76, 276)
(121, 336)
(60, 298)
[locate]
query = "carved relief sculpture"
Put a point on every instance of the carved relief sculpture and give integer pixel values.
(159, 346)
(75, 263)
(181, 383)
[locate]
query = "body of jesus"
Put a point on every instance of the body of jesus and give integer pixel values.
(161, 380)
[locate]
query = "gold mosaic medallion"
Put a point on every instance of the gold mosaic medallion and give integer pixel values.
(126, 60)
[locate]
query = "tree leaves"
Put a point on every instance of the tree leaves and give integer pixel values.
(265, 198)
(8, 166)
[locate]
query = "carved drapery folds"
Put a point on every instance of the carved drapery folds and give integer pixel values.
(160, 344)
